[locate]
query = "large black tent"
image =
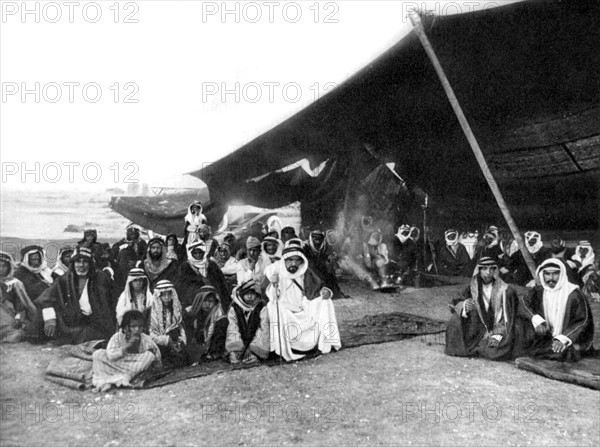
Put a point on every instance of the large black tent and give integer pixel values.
(528, 78)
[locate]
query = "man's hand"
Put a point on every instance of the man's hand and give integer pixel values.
(558, 346)
(50, 328)
(492, 342)
(274, 278)
(542, 329)
(469, 305)
(132, 345)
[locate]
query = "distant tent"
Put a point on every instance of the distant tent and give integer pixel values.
(528, 78)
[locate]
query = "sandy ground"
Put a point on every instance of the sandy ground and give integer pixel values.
(401, 393)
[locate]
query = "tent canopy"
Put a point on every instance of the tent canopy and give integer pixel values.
(527, 76)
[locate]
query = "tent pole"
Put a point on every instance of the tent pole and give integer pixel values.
(420, 31)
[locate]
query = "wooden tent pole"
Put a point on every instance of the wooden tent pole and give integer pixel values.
(420, 31)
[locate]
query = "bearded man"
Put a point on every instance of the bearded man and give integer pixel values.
(483, 317)
(556, 319)
(80, 305)
(300, 309)
(34, 272)
(128, 251)
(157, 266)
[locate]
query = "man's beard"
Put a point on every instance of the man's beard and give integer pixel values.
(155, 256)
(292, 269)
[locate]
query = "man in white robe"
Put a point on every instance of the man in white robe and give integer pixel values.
(300, 309)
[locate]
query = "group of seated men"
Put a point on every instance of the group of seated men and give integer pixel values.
(271, 293)
(182, 310)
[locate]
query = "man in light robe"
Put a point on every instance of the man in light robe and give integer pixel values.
(556, 319)
(253, 266)
(129, 353)
(483, 317)
(300, 309)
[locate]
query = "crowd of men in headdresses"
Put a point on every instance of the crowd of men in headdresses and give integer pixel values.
(163, 302)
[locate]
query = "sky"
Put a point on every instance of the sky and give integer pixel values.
(102, 94)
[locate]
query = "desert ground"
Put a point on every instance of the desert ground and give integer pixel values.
(400, 393)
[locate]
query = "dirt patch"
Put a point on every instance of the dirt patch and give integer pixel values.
(405, 392)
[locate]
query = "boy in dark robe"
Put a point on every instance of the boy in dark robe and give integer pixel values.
(483, 318)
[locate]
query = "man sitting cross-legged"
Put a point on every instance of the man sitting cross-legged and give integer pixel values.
(248, 330)
(129, 353)
(483, 317)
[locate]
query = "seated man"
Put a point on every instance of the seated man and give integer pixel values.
(156, 264)
(376, 260)
(16, 309)
(287, 233)
(129, 353)
(489, 246)
(253, 266)
(271, 250)
(136, 296)
(198, 271)
(321, 260)
(248, 330)
(206, 326)
(228, 264)
(403, 256)
(297, 295)
(80, 305)
(482, 323)
(62, 262)
(453, 258)
(33, 272)
(556, 319)
(128, 251)
(166, 325)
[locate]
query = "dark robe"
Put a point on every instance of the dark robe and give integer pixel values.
(169, 273)
(469, 337)
(319, 262)
(578, 326)
(127, 252)
(518, 272)
(190, 281)
(248, 328)
(72, 326)
(33, 282)
(451, 264)
(403, 259)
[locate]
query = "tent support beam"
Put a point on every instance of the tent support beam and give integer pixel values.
(420, 31)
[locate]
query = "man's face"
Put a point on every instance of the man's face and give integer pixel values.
(35, 260)
(487, 273)
(286, 235)
(584, 251)
(155, 251)
(224, 253)
(254, 252)
(198, 254)
(251, 298)
(452, 236)
(135, 328)
(195, 209)
(203, 233)
(293, 263)
(4, 268)
(209, 302)
(89, 237)
(138, 284)
(318, 240)
(66, 258)
(271, 248)
(165, 296)
(82, 266)
(551, 277)
(129, 233)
